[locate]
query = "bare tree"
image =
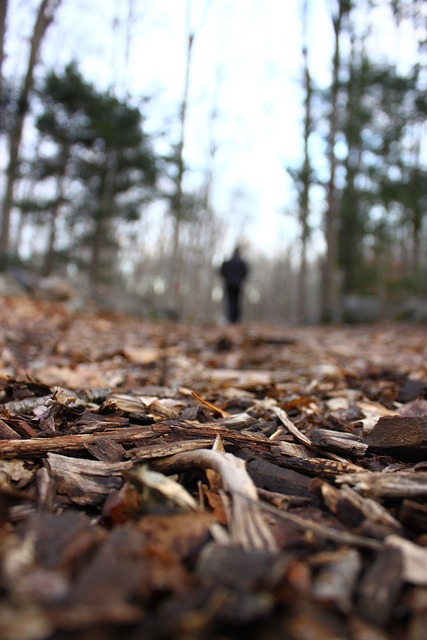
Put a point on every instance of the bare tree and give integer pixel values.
(3, 18)
(306, 174)
(179, 197)
(44, 18)
(330, 310)
(179, 200)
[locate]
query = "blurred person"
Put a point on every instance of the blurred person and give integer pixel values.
(234, 272)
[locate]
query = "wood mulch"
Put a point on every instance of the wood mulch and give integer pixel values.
(163, 481)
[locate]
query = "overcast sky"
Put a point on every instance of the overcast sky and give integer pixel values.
(246, 61)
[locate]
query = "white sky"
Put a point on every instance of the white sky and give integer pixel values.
(246, 59)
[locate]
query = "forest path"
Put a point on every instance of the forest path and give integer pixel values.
(166, 481)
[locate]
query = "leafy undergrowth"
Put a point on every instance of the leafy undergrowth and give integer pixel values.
(176, 481)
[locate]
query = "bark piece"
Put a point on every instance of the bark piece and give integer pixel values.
(238, 421)
(399, 436)
(85, 482)
(323, 531)
(361, 629)
(411, 389)
(163, 450)
(126, 570)
(26, 405)
(62, 541)
(294, 450)
(414, 408)
(292, 428)
(43, 558)
(309, 621)
(9, 501)
(414, 559)
(114, 573)
(320, 467)
(234, 568)
(274, 478)
(181, 534)
(106, 450)
(336, 582)
(7, 433)
(243, 576)
(381, 586)
(354, 510)
(414, 515)
(16, 472)
(30, 623)
(46, 490)
(338, 442)
(302, 437)
(400, 484)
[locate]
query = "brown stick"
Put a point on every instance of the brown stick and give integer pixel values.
(70, 442)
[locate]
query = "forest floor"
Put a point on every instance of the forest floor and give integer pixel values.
(170, 481)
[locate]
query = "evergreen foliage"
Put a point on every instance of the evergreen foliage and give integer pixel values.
(97, 163)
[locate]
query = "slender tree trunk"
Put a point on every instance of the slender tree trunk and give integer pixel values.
(210, 225)
(306, 179)
(103, 221)
(330, 311)
(417, 228)
(3, 19)
(49, 258)
(178, 212)
(418, 213)
(44, 18)
(175, 275)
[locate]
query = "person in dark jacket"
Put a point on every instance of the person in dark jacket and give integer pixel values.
(234, 272)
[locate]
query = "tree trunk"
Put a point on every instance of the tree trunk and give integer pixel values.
(330, 311)
(3, 17)
(306, 179)
(175, 275)
(49, 258)
(44, 18)
(102, 221)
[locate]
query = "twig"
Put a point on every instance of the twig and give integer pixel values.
(246, 524)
